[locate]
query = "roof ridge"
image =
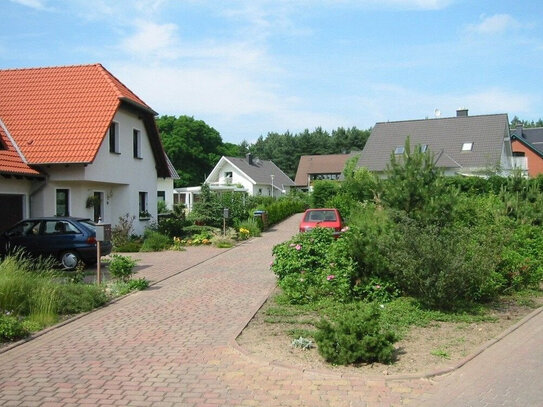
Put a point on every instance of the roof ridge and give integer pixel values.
(43, 68)
(107, 76)
(442, 118)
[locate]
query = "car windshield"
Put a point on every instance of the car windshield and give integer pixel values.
(320, 216)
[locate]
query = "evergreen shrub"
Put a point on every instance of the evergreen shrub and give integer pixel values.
(355, 336)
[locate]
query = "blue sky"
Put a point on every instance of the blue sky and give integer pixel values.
(249, 67)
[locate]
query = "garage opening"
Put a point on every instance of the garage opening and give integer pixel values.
(11, 208)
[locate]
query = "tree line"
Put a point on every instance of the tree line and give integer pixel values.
(194, 147)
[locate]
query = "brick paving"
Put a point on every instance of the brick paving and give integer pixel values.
(174, 345)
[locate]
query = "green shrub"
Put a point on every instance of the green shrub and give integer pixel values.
(155, 242)
(76, 298)
(251, 225)
(119, 288)
(445, 267)
(355, 336)
(122, 231)
(11, 328)
(323, 191)
(121, 267)
(521, 263)
(282, 208)
(132, 246)
(313, 266)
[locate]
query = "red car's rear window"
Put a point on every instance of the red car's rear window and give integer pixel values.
(320, 216)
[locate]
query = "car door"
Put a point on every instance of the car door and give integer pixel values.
(58, 236)
(25, 235)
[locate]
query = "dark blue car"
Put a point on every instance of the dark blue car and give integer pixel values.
(67, 239)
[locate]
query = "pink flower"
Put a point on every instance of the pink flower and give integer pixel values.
(298, 247)
(330, 277)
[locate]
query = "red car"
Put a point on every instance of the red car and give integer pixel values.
(322, 217)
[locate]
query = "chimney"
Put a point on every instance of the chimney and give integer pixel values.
(518, 131)
(249, 157)
(462, 112)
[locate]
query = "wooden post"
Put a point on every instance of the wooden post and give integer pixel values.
(98, 265)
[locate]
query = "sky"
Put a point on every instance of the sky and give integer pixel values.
(249, 67)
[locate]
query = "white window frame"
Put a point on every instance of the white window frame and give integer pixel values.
(468, 146)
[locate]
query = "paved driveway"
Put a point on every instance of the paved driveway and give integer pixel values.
(174, 345)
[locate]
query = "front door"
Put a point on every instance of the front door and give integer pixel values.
(98, 204)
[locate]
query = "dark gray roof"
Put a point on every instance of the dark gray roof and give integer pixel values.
(532, 136)
(171, 168)
(261, 170)
(444, 138)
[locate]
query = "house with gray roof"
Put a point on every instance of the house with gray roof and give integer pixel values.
(527, 145)
(250, 175)
(465, 145)
(318, 167)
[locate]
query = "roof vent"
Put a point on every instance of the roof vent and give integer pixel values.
(462, 112)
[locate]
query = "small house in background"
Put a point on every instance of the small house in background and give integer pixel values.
(250, 175)
(320, 167)
(77, 142)
(461, 145)
(527, 146)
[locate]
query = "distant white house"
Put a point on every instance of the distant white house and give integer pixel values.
(85, 145)
(250, 175)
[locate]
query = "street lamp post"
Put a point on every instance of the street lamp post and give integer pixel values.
(272, 184)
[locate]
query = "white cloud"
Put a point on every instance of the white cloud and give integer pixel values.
(495, 24)
(152, 40)
(37, 4)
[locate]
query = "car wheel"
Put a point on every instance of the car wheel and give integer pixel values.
(69, 259)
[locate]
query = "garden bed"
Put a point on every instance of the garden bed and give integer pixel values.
(423, 349)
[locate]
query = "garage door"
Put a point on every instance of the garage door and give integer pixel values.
(11, 208)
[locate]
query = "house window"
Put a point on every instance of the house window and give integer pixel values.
(136, 142)
(143, 208)
(467, 146)
(399, 150)
(61, 203)
(228, 177)
(161, 196)
(114, 138)
(423, 148)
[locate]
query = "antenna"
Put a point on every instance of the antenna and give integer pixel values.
(437, 113)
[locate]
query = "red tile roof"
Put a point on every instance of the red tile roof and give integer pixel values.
(61, 114)
(10, 160)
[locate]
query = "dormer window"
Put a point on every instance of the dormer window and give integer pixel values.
(467, 146)
(399, 150)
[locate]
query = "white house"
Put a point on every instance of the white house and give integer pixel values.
(251, 175)
(91, 144)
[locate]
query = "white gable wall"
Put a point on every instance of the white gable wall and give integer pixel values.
(119, 176)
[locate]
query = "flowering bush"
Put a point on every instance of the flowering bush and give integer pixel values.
(313, 266)
(243, 234)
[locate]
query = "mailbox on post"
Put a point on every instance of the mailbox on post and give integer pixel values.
(103, 232)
